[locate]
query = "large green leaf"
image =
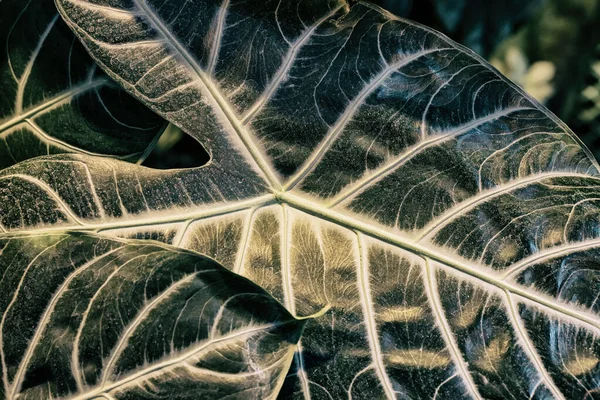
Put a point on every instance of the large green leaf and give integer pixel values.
(86, 317)
(359, 162)
(54, 99)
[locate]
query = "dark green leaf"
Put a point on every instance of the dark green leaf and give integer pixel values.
(86, 317)
(361, 164)
(53, 97)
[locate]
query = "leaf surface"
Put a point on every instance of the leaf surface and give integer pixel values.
(87, 317)
(55, 99)
(362, 163)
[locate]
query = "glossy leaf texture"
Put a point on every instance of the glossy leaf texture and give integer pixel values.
(55, 99)
(362, 165)
(87, 317)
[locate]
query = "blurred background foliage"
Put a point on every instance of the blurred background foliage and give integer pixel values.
(549, 47)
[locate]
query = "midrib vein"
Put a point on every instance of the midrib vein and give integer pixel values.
(75, 91)
(285, 68)
(46, 188)
(245, 239)
(17, 291)
(372, 230)
(17, 381)
(57, 142)
(383, 171)
(442, 221)
(364, 290)
(551, 253)
(286, 273)
(167, 363)
(115, 12)
(77, 372)
(216, 45)
(518, 89)
(109, 364)
(347, 116)
(225, 108)
(434, 254)
(200, 213)
(529, 348)
(288, 293)
(430, 283)
(29, 67)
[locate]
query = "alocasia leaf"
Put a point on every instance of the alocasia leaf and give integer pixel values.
(360, 164)
(54, 99)
(87, 317)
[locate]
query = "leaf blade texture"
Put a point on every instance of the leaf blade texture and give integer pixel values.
(359, 163)
(54, 97)
(87, 317)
